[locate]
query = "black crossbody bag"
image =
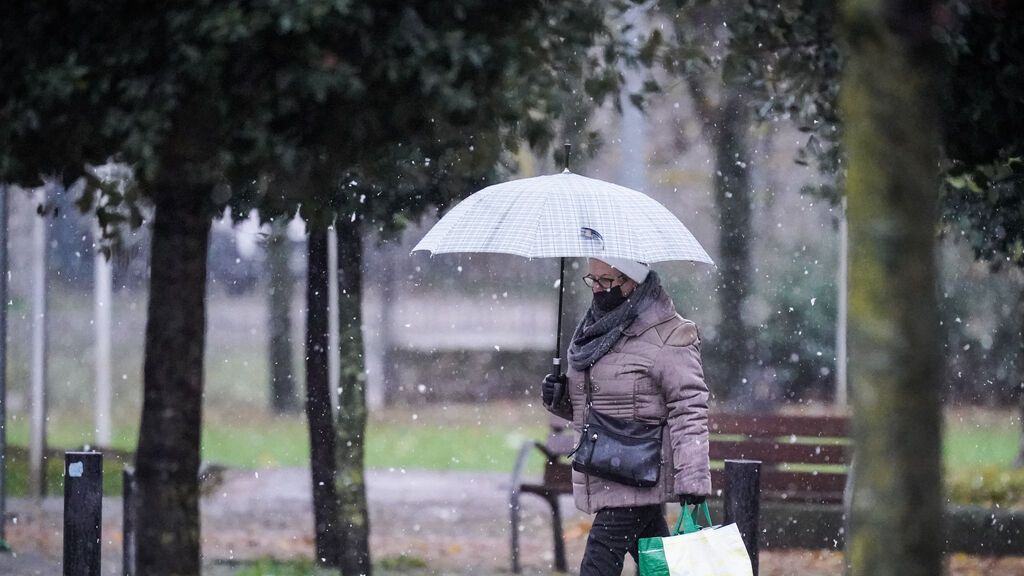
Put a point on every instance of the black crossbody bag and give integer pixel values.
(618, 450)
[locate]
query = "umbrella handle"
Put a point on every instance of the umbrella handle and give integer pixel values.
(557, 359)
(559, 391)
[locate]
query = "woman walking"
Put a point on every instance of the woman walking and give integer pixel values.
(633, 361)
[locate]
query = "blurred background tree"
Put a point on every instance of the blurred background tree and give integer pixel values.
(701, 38)
(283, 398)
(892, 125)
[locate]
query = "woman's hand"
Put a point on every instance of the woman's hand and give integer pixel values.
(552, 389)
(688, 499)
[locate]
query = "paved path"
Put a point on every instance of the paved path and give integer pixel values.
(456, 522)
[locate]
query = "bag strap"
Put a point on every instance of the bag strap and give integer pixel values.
(687, 524)
(589, 386)
(586, 413)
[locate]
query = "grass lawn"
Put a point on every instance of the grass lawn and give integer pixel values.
(403, 564)
(458, 437)
(454, 437)
(976, 438)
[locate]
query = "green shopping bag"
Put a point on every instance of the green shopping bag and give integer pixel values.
(695, 550)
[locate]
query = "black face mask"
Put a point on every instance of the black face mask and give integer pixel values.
(608, 300)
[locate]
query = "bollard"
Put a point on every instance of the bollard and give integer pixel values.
(128, 527)
(742, 502)
(83, 512)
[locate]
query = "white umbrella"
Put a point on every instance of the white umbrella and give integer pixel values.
(564, 215)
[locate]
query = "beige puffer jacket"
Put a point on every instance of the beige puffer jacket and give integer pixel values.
(653, 372)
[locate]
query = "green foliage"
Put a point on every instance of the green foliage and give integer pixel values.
(986, 204)
(791, 58)
(402, 563)
(272, 567)
(984, 193)
(397, 564)
(798, 338)
(980, 315)
(782, 56)
(788, 53)
(987, 486)
(985, 124)
(275, 105)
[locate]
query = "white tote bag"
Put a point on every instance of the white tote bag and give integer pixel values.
(698, 551)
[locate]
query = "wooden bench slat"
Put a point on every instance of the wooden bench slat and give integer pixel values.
(779, 452)
(560, 443)
(775, 425)
(776, 485)
(558, 475)
(544, 490)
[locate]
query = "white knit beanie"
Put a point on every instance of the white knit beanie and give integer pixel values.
(636, 270)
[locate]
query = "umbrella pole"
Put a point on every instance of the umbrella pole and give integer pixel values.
(561, 289)
(558, 334)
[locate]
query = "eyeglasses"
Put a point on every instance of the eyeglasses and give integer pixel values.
(605, 282)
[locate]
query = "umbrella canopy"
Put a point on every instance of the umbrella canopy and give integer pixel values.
(564, 215)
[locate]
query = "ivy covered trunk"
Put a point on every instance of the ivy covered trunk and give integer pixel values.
(1019, 312)
(318, 400)
(282, 374)
(732, 196)
(353, 515)
(890, 116)
(167, 460)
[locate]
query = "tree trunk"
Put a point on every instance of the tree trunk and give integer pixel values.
(725, 127)
(732, 196)
(167, 461)
(318, 401)
(1019, 311)
(890, 118)
(282, 370)
(354, 518)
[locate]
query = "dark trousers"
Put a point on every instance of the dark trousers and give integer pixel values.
(615, 532)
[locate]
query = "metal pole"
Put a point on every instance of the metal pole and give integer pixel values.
(37, 426)
(842, 288)
(742, 502)
(3, 361)
(633, 129)
(128, 545)
(333, 321)
(104, 394)
(83, 512)
(557, 361)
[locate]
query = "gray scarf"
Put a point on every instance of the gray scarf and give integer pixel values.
(598, 331)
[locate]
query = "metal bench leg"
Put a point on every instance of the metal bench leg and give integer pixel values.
(556, 530)
(513, 500)
(513, 508)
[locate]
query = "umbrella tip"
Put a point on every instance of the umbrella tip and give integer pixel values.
(568, 150)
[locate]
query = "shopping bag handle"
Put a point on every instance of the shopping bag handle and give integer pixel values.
(687, 523)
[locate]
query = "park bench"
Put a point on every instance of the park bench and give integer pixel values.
(804, 460)
(555, 481)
